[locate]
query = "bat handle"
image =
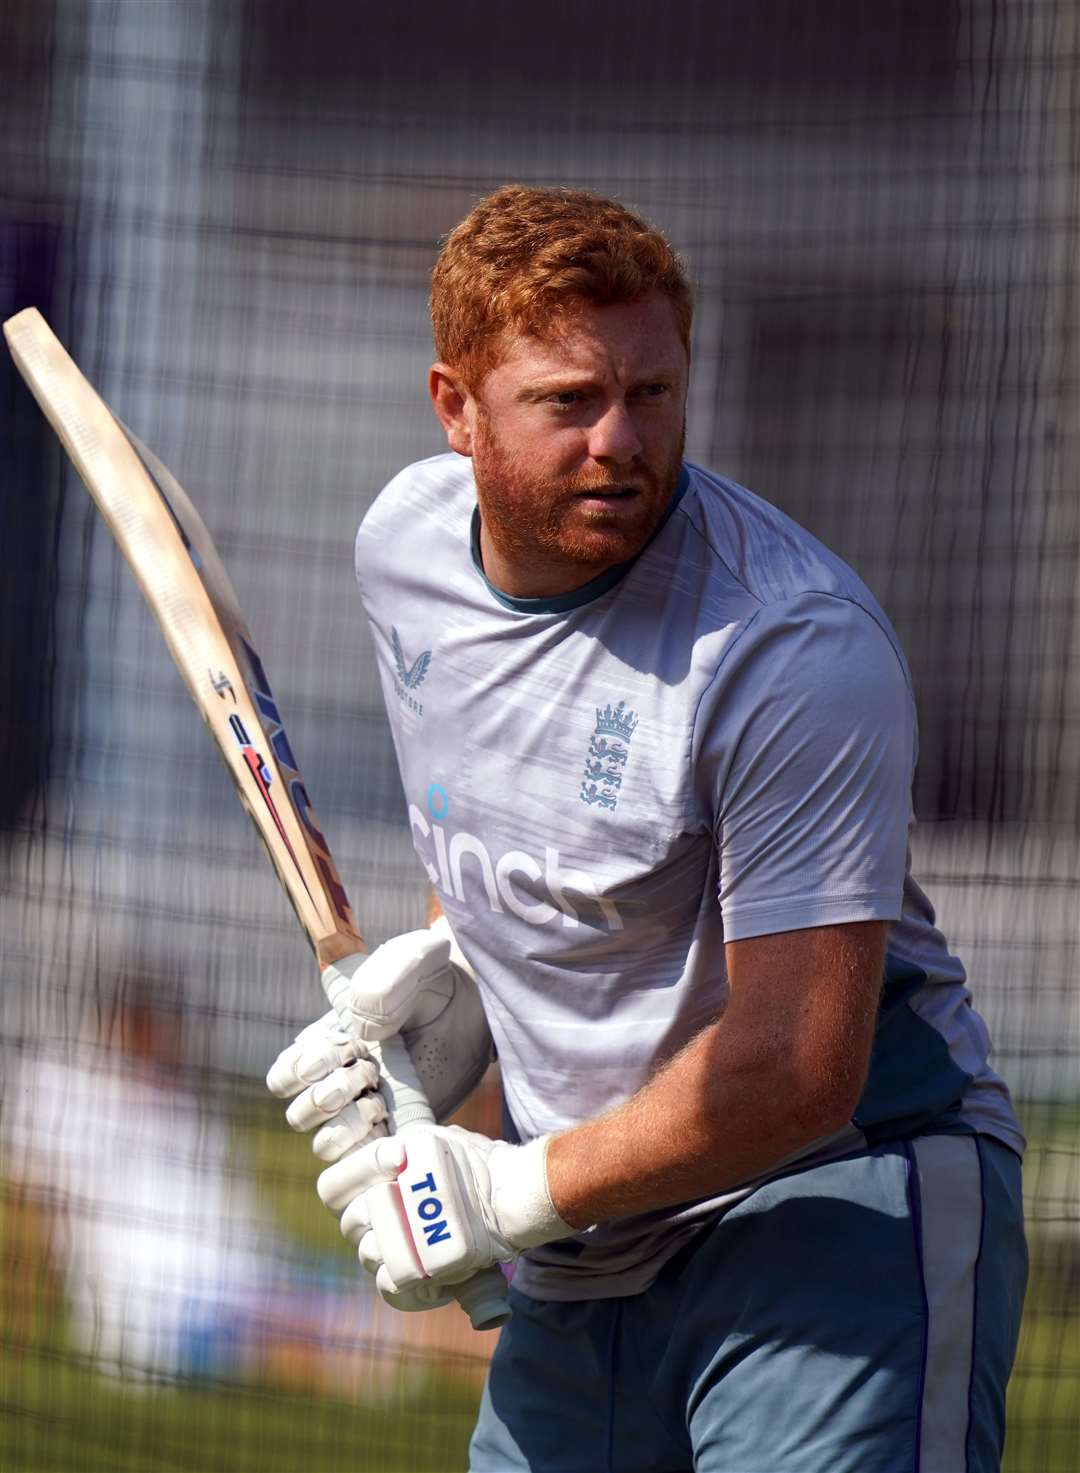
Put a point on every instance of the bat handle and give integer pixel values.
(483, 1297)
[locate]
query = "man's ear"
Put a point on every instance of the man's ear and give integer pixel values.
(452, 403)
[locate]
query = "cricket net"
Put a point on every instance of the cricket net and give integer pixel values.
(229, 210)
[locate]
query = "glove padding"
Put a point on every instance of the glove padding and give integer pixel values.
(431, 1208)
(419, 985)
(419, 982)
(335, 1081)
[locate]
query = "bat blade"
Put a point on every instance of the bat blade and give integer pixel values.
(184, 581)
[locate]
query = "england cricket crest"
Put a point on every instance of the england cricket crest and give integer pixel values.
(605, 763)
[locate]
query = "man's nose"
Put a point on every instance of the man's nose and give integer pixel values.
(613, 436)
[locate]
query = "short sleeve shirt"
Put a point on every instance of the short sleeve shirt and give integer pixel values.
(713, 742)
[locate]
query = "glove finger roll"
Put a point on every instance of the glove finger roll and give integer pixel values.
(417, 1299)
(390, 1227)
(355, 1221)
(375, 1164)
(327, 1097)
(357, 1125)
(316, 1053)
(367, 1250)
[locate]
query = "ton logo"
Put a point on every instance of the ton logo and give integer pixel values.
(429, 1209)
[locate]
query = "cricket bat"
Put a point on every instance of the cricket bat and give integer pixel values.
(185, 583)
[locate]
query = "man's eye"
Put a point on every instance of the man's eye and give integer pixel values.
(565, 399)
(653, 391)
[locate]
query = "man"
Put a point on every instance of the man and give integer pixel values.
(657, 745)
(120, 1183)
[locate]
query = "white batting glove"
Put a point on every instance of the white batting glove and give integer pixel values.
(420, 986)
(335, 1082)
(418, 981)
(433, 1208)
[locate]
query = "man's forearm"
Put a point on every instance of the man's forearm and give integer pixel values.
(749, 1091)
(680, 1137)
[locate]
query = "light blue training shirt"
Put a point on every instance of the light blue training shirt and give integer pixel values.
(712, 742)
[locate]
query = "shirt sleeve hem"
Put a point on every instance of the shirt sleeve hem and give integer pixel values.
(769, 918)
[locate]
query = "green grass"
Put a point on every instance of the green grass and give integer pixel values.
(1043, 1430)
(56, 1417)
(1043, 1426)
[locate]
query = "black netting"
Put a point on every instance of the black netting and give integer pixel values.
(229, 212)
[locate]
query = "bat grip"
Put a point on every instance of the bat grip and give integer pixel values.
(483, 1297)
(406, 1102)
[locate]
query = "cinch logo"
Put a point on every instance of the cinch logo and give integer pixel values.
(452, 852)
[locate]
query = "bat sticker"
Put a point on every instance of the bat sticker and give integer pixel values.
(263, 778)
(264, 700)
(334, 888)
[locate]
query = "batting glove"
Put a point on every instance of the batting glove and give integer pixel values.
(418, 981)
(420, 986)
(432, 1208)
(335, 1082)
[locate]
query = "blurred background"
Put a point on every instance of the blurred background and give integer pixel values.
(229, 210)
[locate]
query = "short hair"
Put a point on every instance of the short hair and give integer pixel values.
(523, 259)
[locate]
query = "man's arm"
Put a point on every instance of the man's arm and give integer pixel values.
(784, 1066)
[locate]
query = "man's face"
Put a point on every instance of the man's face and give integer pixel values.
(576, 442)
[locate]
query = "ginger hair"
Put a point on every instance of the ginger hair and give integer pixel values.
(524, 260)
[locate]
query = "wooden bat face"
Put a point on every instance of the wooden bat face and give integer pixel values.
(185, 583)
